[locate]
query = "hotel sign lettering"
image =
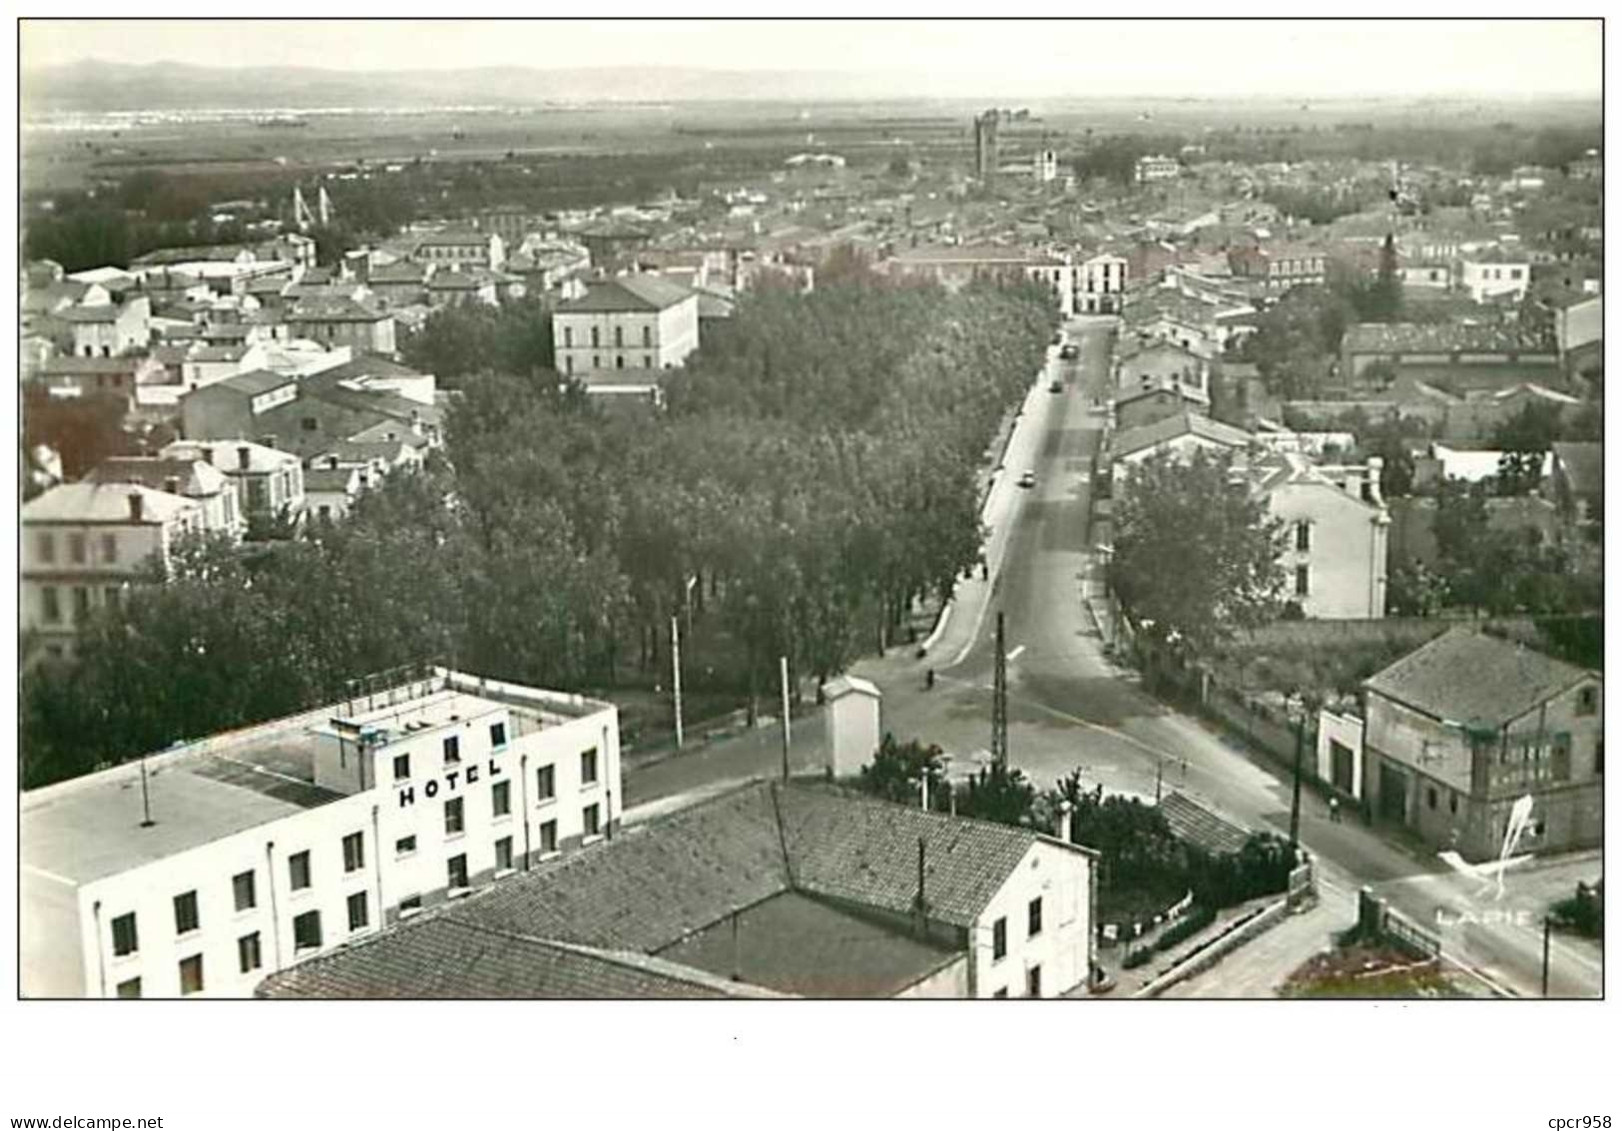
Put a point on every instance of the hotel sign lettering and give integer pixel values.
(450, 781)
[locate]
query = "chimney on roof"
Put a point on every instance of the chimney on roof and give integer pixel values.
(1066, 811)
(244, 455)
(171, 484)
(921, 903)
(268, 440)
(137, 506)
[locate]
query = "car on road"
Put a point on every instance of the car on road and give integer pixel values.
(1056, 387)
(1069, 353)
(1028, 479)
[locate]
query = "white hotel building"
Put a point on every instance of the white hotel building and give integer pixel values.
(267, 846)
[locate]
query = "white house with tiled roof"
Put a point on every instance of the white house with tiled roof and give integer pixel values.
(789, 888)
(82, 543)
(1336, 531)
(629, 322)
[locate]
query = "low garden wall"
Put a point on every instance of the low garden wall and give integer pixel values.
(1209, 953)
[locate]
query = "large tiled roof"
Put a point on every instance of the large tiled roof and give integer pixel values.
(103, 502)
(1440, 337)
(333, 308)
(652, 884)
(849, 846)
(628, 293)
(194, 477)
(1129, 441)
(1471, 677)
(1194, 824)
(441, 957)
(251, 383)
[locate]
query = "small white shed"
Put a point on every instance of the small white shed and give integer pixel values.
(853, 723)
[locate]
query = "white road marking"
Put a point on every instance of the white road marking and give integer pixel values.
(1014, 655)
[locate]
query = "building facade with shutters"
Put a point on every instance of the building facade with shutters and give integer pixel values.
(637, 322)
(255, 850)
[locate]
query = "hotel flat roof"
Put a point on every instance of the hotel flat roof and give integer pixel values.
(89, 827)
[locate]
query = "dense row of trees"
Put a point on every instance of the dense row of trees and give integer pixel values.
(457, 342)
(815, 473)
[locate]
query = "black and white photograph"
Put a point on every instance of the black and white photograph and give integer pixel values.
(619, 510)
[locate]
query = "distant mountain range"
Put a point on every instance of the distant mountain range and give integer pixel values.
(91, 86)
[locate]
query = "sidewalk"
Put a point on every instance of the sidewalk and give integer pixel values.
(1258, 968)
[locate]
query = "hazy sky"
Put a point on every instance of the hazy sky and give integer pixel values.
(1508, 57)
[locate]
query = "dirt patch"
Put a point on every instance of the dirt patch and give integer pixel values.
(1364, 971)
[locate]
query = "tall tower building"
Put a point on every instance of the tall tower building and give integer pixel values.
(985, 145)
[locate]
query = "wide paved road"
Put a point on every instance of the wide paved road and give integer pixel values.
(1069, 707)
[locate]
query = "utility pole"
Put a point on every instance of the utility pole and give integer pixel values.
(146, 802)
(999, 701)
(1546, 925)
(1295, 793)
(1160, 767)
(782, 671)
(675, 668)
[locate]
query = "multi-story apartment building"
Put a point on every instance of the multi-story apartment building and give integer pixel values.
(1493, 273)
(188, 474)
(1461, 729)
(338, 320)
(631, 322)
(461, 248)
(82, 543)
(269, 483)
(1100, 284)
(109, 329)
(207, 867)
(1336, 533)
(1278, 268)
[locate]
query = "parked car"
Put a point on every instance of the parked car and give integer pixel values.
(1028, 479)
(1056, 387)
(1069, 353)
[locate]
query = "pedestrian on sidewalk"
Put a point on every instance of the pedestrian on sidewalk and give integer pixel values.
(1334, 810)
(929, 679)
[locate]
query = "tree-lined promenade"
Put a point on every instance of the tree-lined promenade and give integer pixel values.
(815, 473)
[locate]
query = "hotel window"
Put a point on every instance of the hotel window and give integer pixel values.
(568, 337)
(1033, 982)
(402, 767)
(590, 820)
(186, 912)
(1452, 802)
(546, 837)
(1588, 700)
(50, 605)
(76, 548)
(619, 337)
(411, 903)
(47, 547)
(501, 802)
(647, 361)
(647, 337)
(1430, 796)
(588, 767)
(109, 547)
(1034, 918)
(131, 988)
(999, 939)
(242, 891)
(248, 952)
(568, 363)
(125, 938)
(594, 338)
(405, 846)
(1303, 576)
(456, 871)
(619, 361)
(545, 783)
(307, 930)
(504, 854)
(357, 911)
(81, 603)
(191, 974)
(298, 871)
(354, 852)
(453, 817)
(1303, 536)
(498, 736)
(453, 750)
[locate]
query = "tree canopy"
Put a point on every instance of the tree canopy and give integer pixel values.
(1196, 556)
